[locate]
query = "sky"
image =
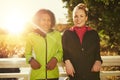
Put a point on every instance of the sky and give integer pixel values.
(16, 12)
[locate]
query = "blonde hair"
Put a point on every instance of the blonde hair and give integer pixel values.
(81, 6)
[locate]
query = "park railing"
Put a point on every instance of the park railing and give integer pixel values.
(112, 61)
(14, 63)
(25, 68)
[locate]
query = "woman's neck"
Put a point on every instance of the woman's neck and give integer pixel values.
(80, 26)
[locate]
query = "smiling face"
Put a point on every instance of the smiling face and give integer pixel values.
(45, 22)
(45, 19)
(79, 17)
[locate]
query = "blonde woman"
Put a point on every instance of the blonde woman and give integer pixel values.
(81, 48)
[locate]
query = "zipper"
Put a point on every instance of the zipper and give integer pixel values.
(46, 58)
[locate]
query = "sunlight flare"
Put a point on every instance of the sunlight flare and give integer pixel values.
(15, 22)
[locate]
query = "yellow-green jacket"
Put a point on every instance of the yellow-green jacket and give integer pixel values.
(36, 47)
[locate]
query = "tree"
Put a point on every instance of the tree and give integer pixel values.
(104, 16)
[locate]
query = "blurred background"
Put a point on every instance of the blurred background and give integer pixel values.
(104, 16)
(14, 15)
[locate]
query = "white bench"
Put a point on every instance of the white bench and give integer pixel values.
(107, 61)
(14, 63)
(21, 63)
(110, 61)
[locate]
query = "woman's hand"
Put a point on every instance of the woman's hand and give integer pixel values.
(35, 64)
(96, 67)
(52, 64)
(69, 68)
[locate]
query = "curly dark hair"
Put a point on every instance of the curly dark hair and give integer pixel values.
(37, 16)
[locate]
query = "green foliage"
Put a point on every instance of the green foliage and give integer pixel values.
(104, 15)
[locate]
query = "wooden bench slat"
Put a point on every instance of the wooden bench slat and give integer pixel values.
(21, 63)
(110, 73)
(13, 75)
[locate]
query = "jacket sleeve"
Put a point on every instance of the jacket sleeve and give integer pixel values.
(28, 50)
(97, 55)
(65, 46)
(59, 53)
